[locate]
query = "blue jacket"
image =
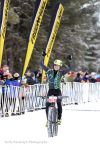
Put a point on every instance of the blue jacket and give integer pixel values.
(10, 89)
(8, 82)
(16, 83)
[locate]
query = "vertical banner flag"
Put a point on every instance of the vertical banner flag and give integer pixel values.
(39, 11)
(55, 23)
(3, 23)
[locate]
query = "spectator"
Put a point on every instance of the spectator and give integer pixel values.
(24, 81)
(84, 80)
(5, 69)
(78, 77)
(9, 79)
(69, 77)
(85, 77)
(7, 91)
(16, 81)
(45, 79)
(31, 78)
(39, 75)
(93, 77)
(1, 80)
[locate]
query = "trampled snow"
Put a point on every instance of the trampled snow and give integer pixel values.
(80, 130)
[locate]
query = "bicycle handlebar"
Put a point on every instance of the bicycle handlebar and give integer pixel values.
(58, 97)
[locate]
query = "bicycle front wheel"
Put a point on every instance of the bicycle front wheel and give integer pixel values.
(52, 122)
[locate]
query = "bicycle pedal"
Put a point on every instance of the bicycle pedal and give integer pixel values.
(46, 125)
(59, 122)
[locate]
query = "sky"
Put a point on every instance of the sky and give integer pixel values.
(80, 129)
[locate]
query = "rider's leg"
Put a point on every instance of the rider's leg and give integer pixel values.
(59, 109)
(47, 106)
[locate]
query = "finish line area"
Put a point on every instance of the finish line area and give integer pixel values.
(80, 129)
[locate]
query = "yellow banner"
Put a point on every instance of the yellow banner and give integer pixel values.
(4, 16)
(34, 32)
(53, 36)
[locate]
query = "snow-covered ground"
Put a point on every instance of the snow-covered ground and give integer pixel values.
(80, 130)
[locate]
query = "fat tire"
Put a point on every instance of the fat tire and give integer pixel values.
(52, 122)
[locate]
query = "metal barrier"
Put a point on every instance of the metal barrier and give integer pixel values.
(17, 100)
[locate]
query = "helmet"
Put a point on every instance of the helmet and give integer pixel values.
(58, 62)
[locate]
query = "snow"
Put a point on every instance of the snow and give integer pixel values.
(85, 5)
(80, 129)
(97, 3)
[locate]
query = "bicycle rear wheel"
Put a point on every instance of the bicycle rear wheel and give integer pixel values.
(52, 122)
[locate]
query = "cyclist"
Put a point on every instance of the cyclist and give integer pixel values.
(54, 78)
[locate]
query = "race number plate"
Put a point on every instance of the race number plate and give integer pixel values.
(52, 99)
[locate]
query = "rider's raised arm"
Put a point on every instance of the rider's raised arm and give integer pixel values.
(64, 71)
(43, 66)
(69, 66)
